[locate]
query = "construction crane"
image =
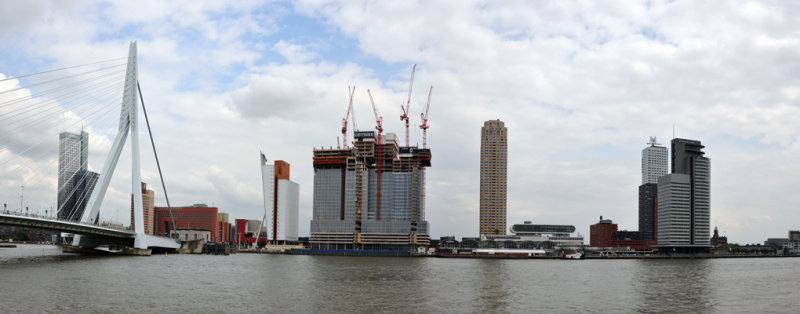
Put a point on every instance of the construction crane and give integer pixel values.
(347, 114)
(404, 116)
(379, 159)
(424, 125)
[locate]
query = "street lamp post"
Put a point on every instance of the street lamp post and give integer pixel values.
(21, 197)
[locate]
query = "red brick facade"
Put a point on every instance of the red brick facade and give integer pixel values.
(605, 234)
(600, 233)
(191, 217)
(224, 231)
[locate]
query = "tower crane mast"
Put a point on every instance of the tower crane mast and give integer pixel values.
(404, 116)
(379, 158)
(424, 116)
(347, 114)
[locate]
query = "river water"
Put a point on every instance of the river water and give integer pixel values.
(32, 280)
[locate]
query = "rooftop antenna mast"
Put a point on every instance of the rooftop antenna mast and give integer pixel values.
(404, 116)
(653, 141)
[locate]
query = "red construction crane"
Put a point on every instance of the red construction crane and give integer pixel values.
(424, 125)
(379, 159)
(347, 114)
(404, 116)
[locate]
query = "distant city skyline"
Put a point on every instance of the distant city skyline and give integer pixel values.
(582, 84)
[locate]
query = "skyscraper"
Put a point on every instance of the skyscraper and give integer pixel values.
(75, 182)
(654, 166)
(494, 148)
(654, 162)
(684, 200)
(281, 201)
(368, 200)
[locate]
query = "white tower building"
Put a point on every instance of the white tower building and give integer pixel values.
(654, 162)
(281, 201)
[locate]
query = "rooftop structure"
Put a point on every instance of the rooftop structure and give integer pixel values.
(535, 229)
(541, 236)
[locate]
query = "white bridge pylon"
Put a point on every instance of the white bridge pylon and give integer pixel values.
(128, 123)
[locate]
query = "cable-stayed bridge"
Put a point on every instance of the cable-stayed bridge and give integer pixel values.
(30, 115)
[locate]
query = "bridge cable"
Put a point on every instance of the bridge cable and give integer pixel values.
(49, 105)
(48, 71)
(48, 164)
(149, 131)
(60, 78)
(60, 88)
(43, 118)
(26, 163)
(36, 114)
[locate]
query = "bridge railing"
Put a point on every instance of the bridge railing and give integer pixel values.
(51, 218)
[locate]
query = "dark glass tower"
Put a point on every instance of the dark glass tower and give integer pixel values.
(684, 200)
(648, 193)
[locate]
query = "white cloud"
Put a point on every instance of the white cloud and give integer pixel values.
(580, 87)
(293, 53)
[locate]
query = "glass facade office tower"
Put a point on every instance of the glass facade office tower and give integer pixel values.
(654, 166)
(75, 182)
(370, 196)
(494, 157)
(684, 200)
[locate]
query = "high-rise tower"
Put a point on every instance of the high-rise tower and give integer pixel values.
(346, 192)
(654, 162)
(75, 182)
(283, 203)
(494, 148)
(684, 200)
(654, 166)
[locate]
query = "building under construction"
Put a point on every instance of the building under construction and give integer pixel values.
(370, 196)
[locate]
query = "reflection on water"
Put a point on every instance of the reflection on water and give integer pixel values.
(677, 285)
(32, 281)
(494, 285)
(30, 253)
(365, 283)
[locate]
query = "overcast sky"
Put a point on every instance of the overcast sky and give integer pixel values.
(580, 85)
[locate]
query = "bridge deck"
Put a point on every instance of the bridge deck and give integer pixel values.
(63, 226)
